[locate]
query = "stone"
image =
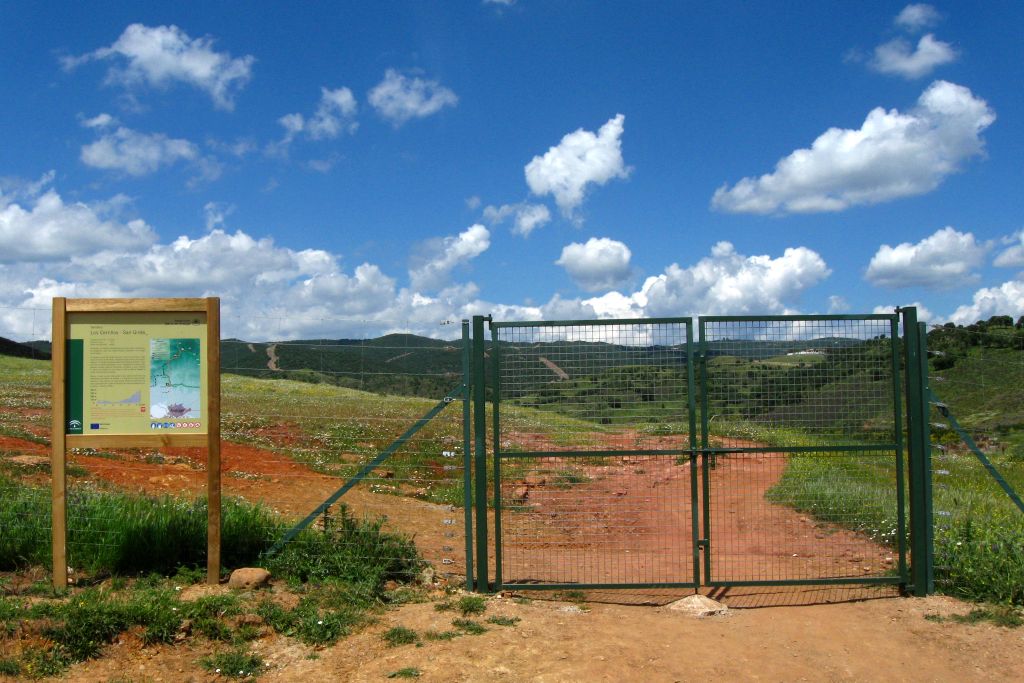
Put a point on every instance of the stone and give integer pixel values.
(250, 620)
(249, 578)
(699, 606)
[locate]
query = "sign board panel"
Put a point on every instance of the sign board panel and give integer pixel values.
(136, 373)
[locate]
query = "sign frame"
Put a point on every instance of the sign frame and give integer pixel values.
(61, 440)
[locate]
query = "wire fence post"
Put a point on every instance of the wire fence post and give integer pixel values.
(919, 454)
(480, 452)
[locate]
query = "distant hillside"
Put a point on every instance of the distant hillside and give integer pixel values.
(410, 365)
(29, 350)
(402, 364)
(41, 346)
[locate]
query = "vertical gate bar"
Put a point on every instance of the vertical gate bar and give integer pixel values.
(496, 446)
(897, 410)
(705, 428)
(926, 460)
(480, 452)
(467, 457)
(691, 407)
(920, 520)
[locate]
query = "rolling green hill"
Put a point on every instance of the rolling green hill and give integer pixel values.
(19, 350)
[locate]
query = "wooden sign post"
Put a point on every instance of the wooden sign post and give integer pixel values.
(130, 373)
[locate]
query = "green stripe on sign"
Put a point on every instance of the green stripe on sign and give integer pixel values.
(74, 396)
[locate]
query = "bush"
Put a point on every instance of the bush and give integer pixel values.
(357, 552)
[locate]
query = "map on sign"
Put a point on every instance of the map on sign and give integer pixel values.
(175, 379)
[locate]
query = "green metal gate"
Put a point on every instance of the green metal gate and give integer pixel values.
(593, 454)
(802, 454)
(674, 453)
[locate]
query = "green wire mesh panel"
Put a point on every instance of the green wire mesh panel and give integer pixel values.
(802, 472)
(596, 485)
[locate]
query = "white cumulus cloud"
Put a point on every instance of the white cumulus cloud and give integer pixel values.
(1006, 299)
(891, 155)
(598, 264)
(942, 260)
(160, 55)
(103, 120)
(1013, 255)
(51, 229)
(335, 113)
(917, 16)
(837, 304)
(440, 256)
(580, 159)
(137, 153)
(399, 98)
(528, 217)
(899, 58)
(729, 283)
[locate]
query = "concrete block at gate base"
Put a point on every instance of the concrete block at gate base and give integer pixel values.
(249, 578)
(699, 606)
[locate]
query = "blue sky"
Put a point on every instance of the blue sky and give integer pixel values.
(401, 164)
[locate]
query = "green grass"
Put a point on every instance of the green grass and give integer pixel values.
(407, 672)
(1005, 616)
(127, 533)
(467, 605)
(441, 635)
(400, 635)
(979, 533)
(235, 663)
(473, 628)
(999, 615)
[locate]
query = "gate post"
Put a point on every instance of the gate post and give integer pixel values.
(919, 453)
(467, 453)
(480, 452)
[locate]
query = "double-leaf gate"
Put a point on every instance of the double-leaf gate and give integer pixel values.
(715, 451)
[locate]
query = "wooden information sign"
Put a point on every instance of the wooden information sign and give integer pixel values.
(130, 373)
